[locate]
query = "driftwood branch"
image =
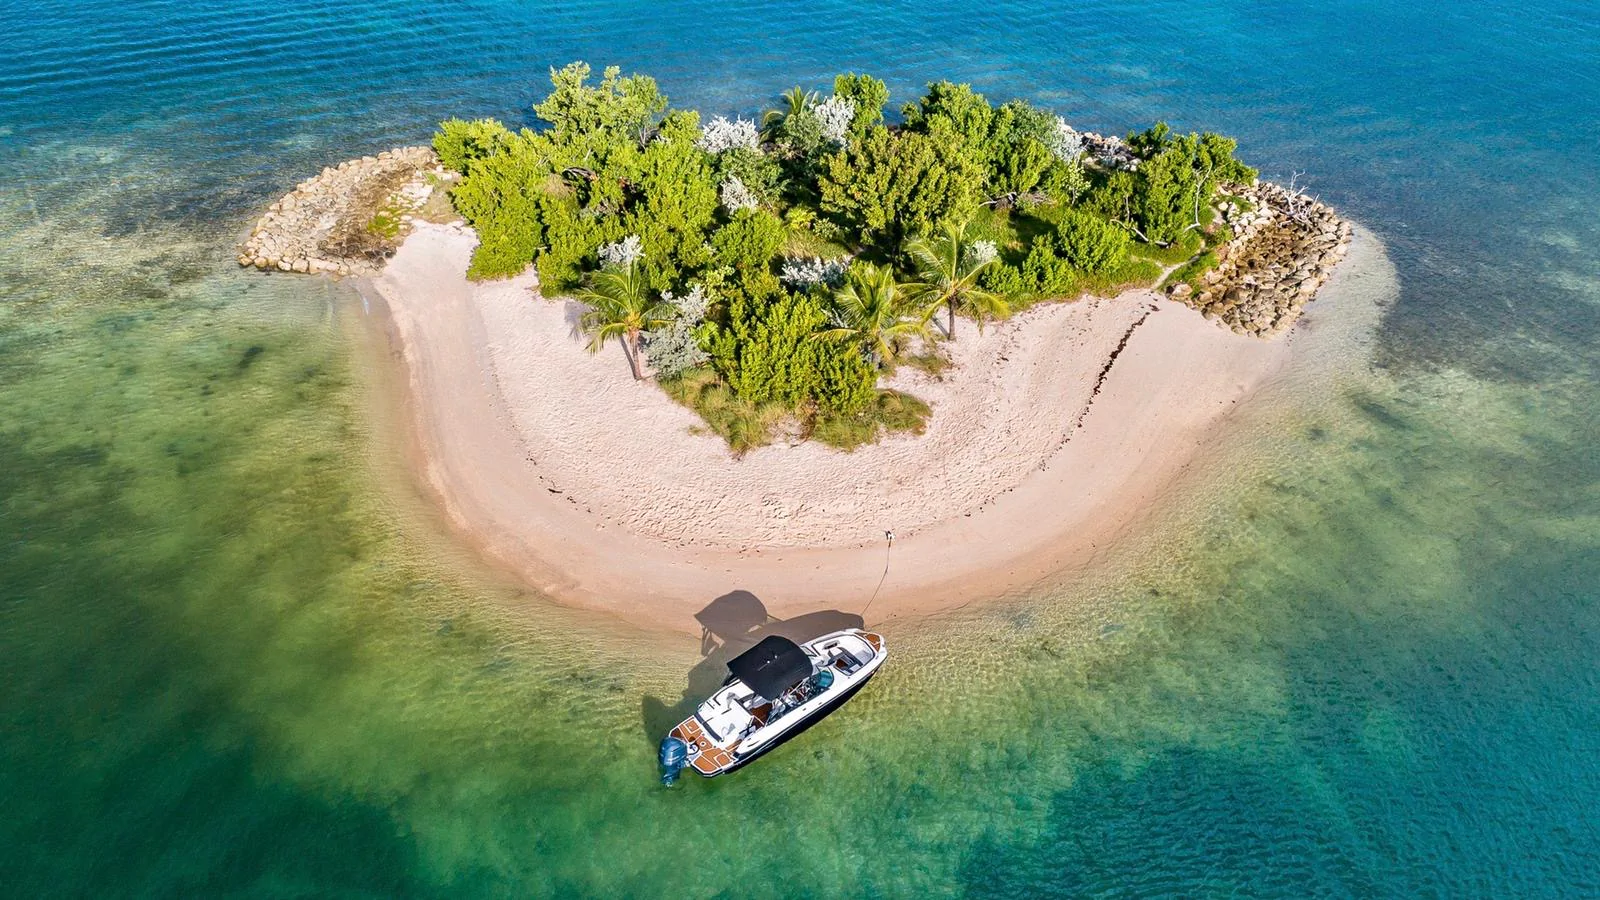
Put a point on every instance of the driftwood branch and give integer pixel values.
(1297, 204)
(1004, 201)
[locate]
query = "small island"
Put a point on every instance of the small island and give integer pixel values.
(974, 326)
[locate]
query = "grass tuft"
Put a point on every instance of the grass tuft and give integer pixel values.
(893, 412)
(744, 425)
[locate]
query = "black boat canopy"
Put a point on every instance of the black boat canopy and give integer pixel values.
(772, 666)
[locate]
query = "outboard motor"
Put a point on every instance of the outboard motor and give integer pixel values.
(674, 756)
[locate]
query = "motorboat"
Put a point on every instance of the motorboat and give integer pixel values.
(774, 690)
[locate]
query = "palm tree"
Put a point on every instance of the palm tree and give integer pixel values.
(875, 310)
(620, 308)
(796, 100)
(949, 264)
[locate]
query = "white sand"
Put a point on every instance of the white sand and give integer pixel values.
(602, 493)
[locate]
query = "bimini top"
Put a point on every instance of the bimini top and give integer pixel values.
(772, 666)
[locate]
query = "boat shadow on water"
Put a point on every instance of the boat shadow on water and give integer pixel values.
(730, 625)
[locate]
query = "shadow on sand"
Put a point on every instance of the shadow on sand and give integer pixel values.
(729, 625)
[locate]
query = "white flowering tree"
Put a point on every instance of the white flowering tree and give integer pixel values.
(622, 254)
(675, 347)
(1064, 141)
(806, 272)
(721, 135)
(949, 262)
(834, 115)
(735, 196)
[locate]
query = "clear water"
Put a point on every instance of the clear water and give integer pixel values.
(1358, 660)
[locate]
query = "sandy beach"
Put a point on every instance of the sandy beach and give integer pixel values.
(1050, 434)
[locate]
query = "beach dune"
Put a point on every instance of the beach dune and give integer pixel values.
(1052, 432)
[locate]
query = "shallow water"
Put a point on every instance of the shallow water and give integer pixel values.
(1357, 658)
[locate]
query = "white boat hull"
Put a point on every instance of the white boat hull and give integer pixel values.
(736, 726)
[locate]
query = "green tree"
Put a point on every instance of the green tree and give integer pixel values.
(620, 309)
(1176, 179)
(768, 353)
(1164, 187)
(754, 169)
(671, 203)
(617, 106)
(1065, 181)
(967, 112)
(1018, 157)
(1113, 197)
(1045, 273)
(875, 312)
(1089, 243)
(1018, 168)
(890, 183)
(749, 240)
(951, 265)
(869, 96)
(460, 143)
(503, 196)
(1151, 141)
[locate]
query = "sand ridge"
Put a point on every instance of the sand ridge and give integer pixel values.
(1051, 432)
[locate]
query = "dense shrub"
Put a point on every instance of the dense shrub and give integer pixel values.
(677, 348)
(1045, 273)
(966, 113)
(750, 240)
(1089, 243)
(460, 143)
(1005, 280)
(757, 171)
(890, 184)
(616, 107)
(1016, 146)
(768, 354)
(1019, 149)
(868, 95)
(503, 197)
(1176, 179)
(1065, 182)
(721, 135)
(672, 205)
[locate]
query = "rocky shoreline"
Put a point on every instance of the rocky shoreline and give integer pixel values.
(1284, 247)
(348, 219)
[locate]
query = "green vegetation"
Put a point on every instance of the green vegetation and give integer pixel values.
(743, 424)
(620, 309)
(385, 223)
(950, 264)
(1193, 271)
(890, 411)
(1174, 185)
(876, 313)
(771, 272)
(890, 184)
(772, 351)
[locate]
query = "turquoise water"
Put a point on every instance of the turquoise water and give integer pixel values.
(1359, 660)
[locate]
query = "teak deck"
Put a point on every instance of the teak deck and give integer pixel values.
(712, 759)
